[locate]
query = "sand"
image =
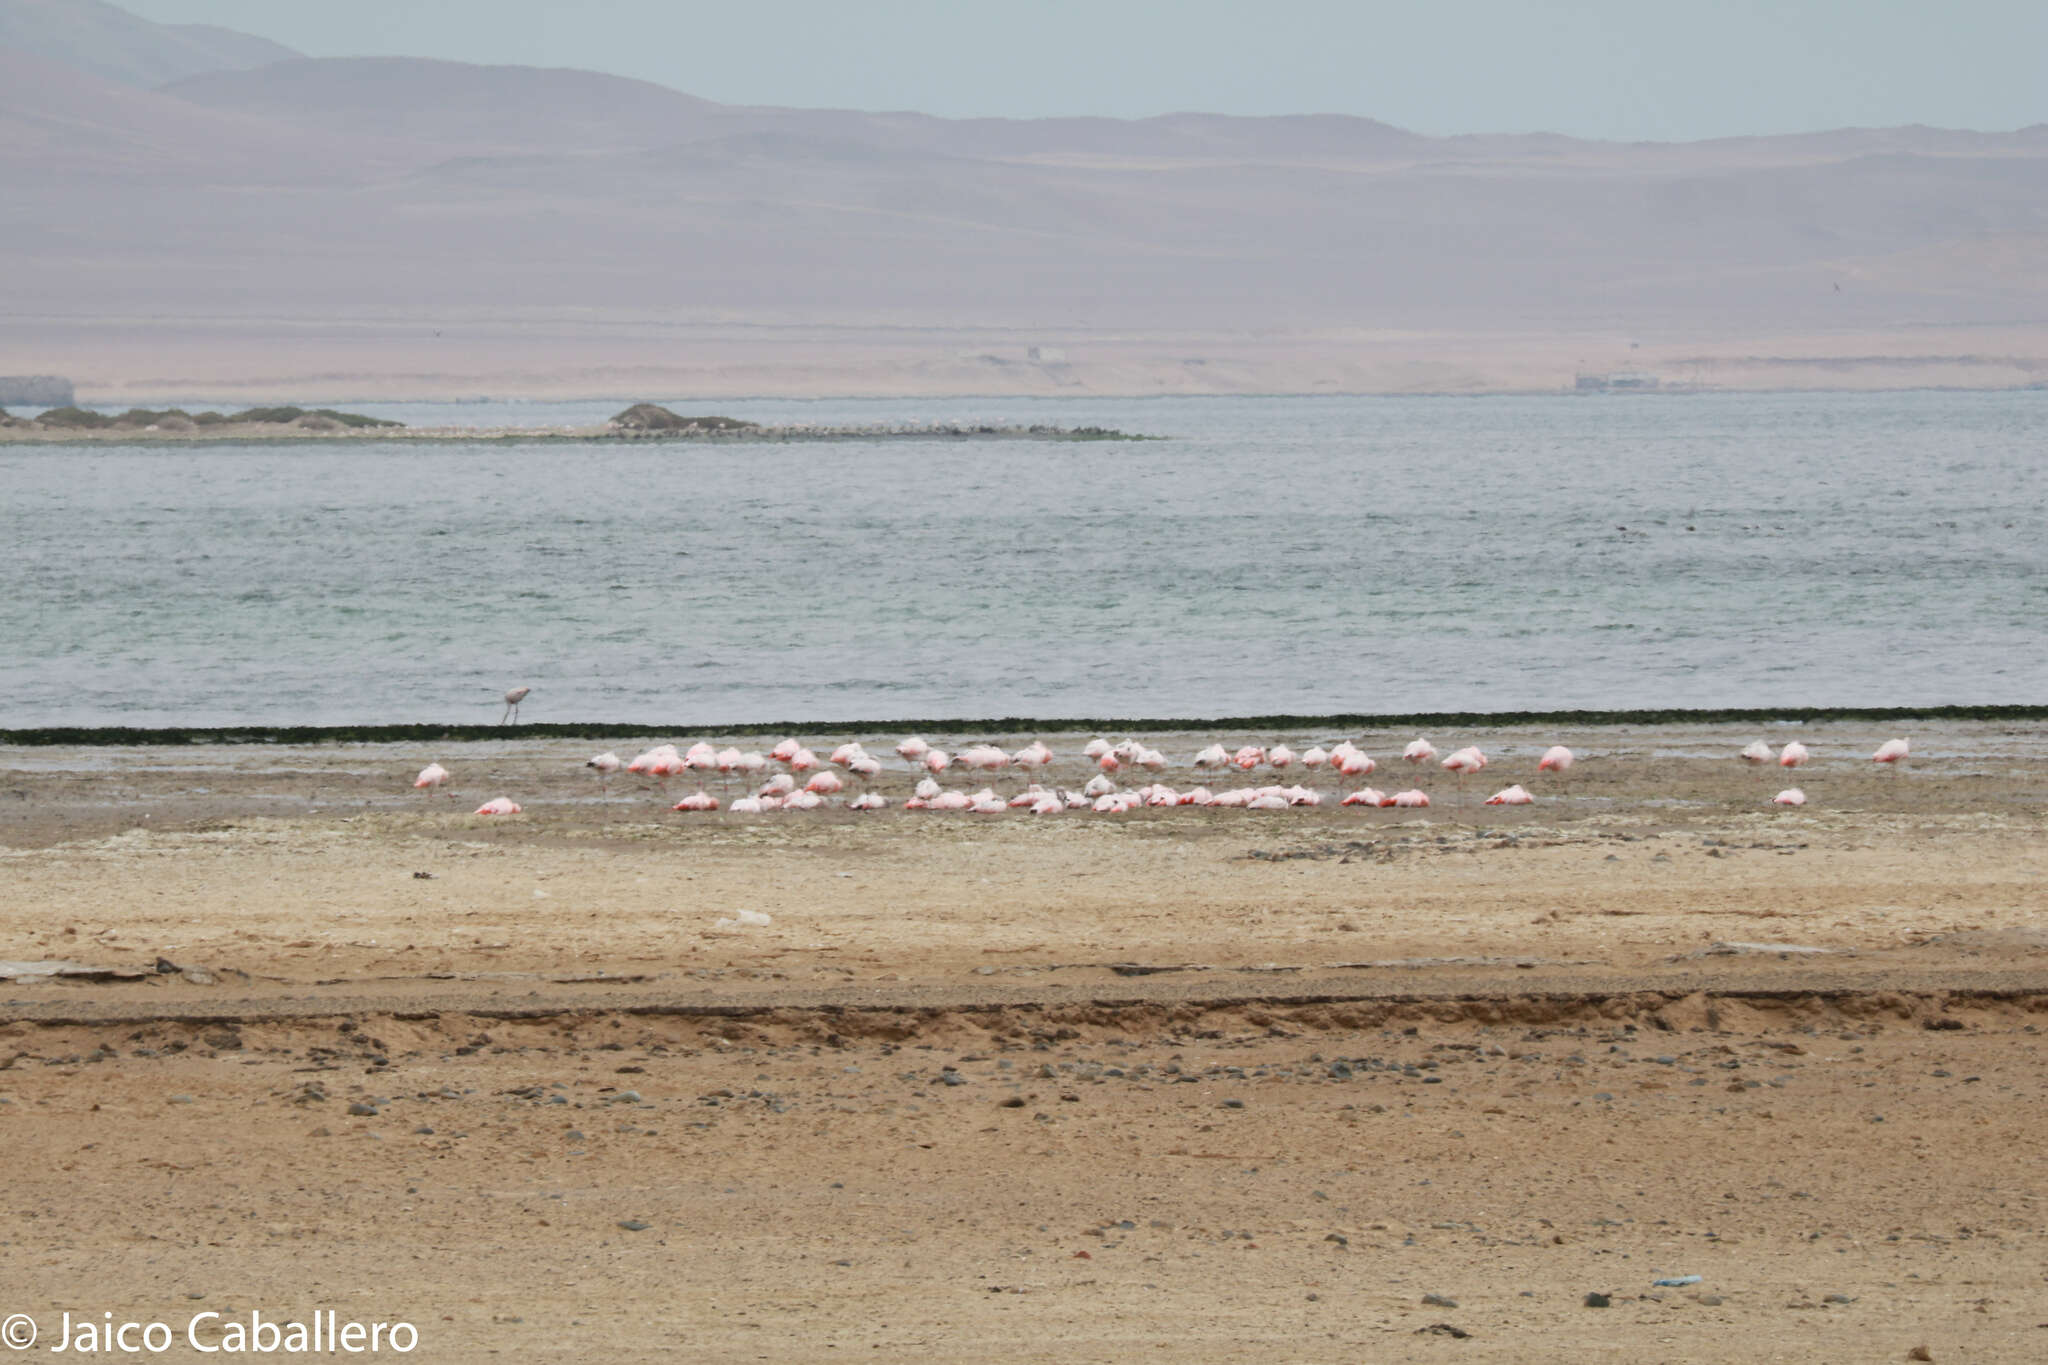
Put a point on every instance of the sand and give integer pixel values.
(1183, 1084)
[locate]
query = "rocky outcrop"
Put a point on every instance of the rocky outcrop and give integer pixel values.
(654, 417)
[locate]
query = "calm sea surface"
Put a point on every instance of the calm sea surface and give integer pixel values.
(1276, 555)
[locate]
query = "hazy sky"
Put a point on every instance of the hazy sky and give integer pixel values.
(1624, 69)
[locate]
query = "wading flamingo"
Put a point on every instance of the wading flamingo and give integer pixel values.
(512, 700)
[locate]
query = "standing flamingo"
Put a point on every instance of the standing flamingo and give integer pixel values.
(512, 700)
(1463, 762)
(431, 777)
(606, 764)
(1420, 751)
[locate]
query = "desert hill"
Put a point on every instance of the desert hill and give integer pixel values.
(554, 212)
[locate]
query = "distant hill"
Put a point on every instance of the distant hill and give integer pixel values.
(318, 192)
(118, 46)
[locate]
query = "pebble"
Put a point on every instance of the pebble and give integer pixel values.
(1598, 1300)
(634, 1225)
(361, 1110)
(1439, 1301)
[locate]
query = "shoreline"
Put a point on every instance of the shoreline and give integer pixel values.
(114, 736)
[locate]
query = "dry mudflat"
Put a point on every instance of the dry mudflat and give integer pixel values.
(1318, 1084)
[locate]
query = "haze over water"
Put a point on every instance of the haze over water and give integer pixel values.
(1277, 555)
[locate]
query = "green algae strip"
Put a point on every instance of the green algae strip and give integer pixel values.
(119, 735)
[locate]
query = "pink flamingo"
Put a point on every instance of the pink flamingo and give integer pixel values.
(1794, 755)
(1510, 796)
(605, 764)
(1791, 796)
(1891, 751)
(1420, 751)
(512, 700)
(431, 777)
(1464, 762)
(499, 805)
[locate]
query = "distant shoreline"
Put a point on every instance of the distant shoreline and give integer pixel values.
(254, 434)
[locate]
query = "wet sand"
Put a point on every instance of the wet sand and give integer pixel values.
(1321, 1062)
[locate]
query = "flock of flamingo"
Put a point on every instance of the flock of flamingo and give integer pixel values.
(806, 782)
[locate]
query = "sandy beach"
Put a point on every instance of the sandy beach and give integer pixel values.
(1184, 1083)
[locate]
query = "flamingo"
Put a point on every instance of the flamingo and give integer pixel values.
(499, 805)
(1794, 754)
(1556, 759)
(431, 776)
(1315, 758)
(1791, 796)
(1510, 796)
(1756, 754)
(746, 805)
(1280, 757)
(937, 761)
(784, 750)
(512, 700)
(1354, 764)
(912, 749)
(1464, 762)
(982, 758)
(1407, 798)
(700, 800)
(1365, 796)
(827, 783)
(1249, 757)
(1421, 751)
(1215, 756)
(606, 764)
(1096, 748)
(1891, 751)
(868, 801)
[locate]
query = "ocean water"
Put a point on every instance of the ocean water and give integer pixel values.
(1274, 555)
